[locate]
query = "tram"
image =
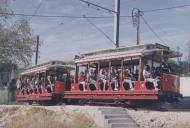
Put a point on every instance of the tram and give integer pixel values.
(133, 73)
(44, 83)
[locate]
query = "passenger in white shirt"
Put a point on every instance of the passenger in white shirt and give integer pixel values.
(147, 77)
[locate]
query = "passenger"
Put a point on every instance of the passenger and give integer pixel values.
(18, 84)
(28, 83)
(114, 78)
(165, 66)
(127, 78)
(36, 83)
(147, 77)
(32, 83)
(55, 79)
(92, 77)
(50, 84)
(136, 75)
(103, 78)
(25, 83)
(41, 82)
(82, 79)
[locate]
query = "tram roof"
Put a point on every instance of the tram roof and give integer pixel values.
(128, 52)
(50, 65)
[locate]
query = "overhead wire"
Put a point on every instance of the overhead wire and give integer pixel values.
(152, 30)
(57, 16)
(167, 8)
(36, 10)
(98, 6)
(101, 31)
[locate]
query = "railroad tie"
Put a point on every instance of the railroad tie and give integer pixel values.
(117, 117)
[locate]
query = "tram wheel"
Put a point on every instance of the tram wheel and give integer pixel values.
(126, 86)
(92, 87)
(30, 102)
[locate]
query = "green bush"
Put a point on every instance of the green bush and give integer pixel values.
(3, 97)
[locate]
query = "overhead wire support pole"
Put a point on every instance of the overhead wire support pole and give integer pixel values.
(37, 48)
(136, 14)
(116, 23)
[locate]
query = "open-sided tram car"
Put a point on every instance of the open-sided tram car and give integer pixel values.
(135, 58)
(44, 83)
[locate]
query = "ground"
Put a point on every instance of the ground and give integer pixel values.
(157, 119)
(22, 116)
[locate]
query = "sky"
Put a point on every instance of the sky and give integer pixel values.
(65, 37)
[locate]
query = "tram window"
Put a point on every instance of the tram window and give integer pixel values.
(83, 69)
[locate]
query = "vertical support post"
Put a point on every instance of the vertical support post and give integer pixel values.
(76, 86)
(98, 76)
(121, 80)
(76, 74)
(37, 46)
(140, 69)
(87, 73)
(109, 83)
(88, 76)
(116, 22)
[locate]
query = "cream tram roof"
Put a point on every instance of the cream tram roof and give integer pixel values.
(128, 52)
(51, 65)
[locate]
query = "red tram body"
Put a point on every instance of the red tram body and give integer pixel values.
(135, 58)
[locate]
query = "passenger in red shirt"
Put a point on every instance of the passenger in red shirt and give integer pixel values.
(82, 79)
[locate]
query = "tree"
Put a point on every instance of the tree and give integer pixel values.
(182, 68)
(17, 42)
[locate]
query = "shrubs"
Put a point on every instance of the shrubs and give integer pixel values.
(3, 96)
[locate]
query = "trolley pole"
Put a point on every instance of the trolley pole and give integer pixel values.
(116, 23)
(37, 47)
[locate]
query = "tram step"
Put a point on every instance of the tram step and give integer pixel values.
(107, 112)
(114, 116)
(123, 125)
(120, 120)
(111, 109)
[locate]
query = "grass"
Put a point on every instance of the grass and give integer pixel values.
(3, 96)
(43, 118)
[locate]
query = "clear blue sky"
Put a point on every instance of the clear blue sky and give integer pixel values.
(63, 38)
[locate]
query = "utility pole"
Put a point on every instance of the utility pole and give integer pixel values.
(188, 51)
(37, 47)
(179, 58)
(136, 13)
(116, 22)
